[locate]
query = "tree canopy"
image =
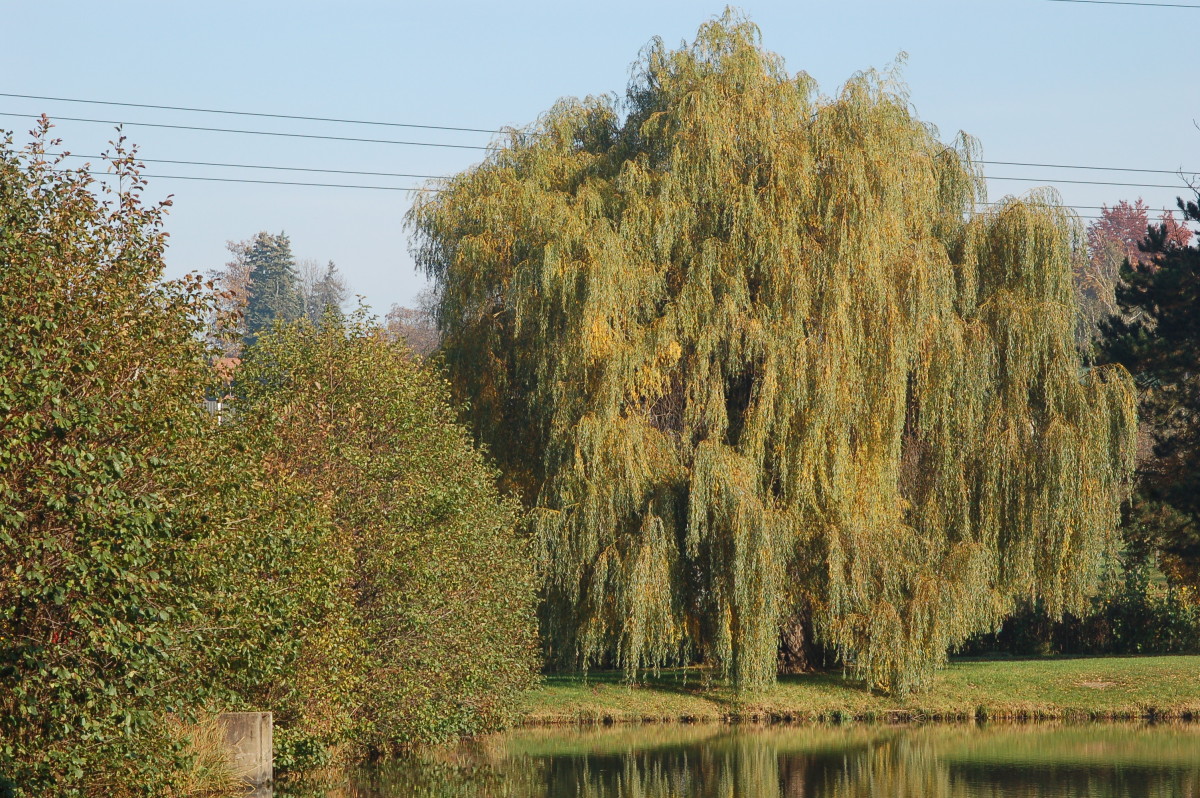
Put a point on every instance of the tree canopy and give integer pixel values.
(101, 377)
(334, 550)
(1112, 240)
(273, 291)
(1157, 337)
(755, 360)
(440, 630)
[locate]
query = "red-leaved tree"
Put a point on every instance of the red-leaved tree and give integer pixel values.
(1111, 240)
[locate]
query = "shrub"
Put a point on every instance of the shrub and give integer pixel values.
(100, 377)
(440, 582)
(336, 553)
(1136, 614)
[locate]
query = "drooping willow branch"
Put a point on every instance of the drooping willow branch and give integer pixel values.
(749, 352)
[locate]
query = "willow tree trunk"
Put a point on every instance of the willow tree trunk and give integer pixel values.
(798, 649)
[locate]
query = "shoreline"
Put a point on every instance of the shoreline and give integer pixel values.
(1083, 689)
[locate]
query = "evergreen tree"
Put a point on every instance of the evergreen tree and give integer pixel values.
(274, 293)
(1157, 337)
(757, 364)
(323, 291)
(1112, 240)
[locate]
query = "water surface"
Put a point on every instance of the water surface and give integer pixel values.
(716, 761)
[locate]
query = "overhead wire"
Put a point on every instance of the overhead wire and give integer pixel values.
(1093, 207)
(442, 177)
(372, 173)
(1050, 181)
(454, 146)
(1126, 3)
(265, 166)
(258, 132)
(206, 178)
(268, 182)
(1097, 168)
(250, 113)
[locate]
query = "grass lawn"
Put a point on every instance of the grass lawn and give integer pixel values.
(1069, 688)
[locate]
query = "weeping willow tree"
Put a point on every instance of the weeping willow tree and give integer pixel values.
(755, 360)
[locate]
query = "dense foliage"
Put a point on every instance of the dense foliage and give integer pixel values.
(1134, 614)
(1112, 240)
(1157, 337)
(100, 386)
(757, 363)
(440, 621)
(333, 551)
(273, 287)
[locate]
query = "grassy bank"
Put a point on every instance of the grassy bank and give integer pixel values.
(1069, 688)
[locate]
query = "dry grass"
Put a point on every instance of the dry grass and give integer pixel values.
(211, 770)
(204, 769)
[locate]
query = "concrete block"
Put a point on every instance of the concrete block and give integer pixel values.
(248, 738)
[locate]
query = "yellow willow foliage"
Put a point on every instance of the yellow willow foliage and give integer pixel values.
(751, 355)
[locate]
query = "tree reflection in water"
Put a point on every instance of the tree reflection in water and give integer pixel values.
(1033, 761)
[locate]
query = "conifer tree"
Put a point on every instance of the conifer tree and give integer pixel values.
(274, 293)
(323, 291)
(756, 363)
(1157, 337)
(1112, 240)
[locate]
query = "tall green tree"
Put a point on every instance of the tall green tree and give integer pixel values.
(1156, 336)
(101, 377)
(273, 289)
(756, 363)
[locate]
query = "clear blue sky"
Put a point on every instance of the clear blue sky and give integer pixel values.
(1036, 81)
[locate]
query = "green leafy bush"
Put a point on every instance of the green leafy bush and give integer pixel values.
(440, 582)
(1135, 614)
(100, 372)
(336, 552)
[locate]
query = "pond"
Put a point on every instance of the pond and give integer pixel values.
(715, 761)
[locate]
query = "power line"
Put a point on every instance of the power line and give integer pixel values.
(435, 177)
(251, 113)
(455, 146)
(259, 132)
(435, 190)
(268, 182)
(1125, 3)
(460, 129)
(1096, 168)
(277, 168)
(446, 177)
(1112, 207)
(1085, 182)
(1085, 217)
(1093, 207)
